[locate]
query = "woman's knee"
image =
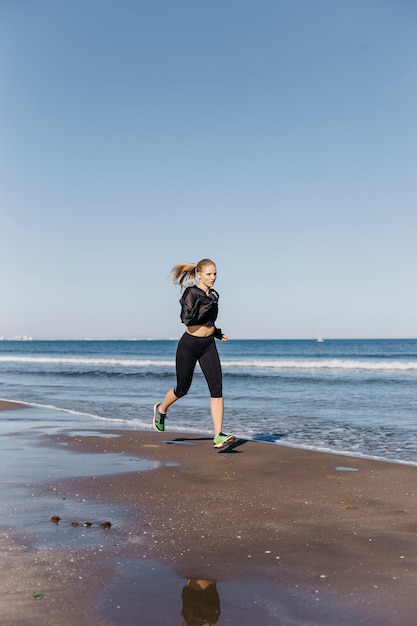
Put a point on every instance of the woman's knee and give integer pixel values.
(180, 393)
(216, 391)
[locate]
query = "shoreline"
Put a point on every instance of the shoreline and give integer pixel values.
(103, 424)
(323, 538)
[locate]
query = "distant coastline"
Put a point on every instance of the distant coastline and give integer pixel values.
(17, 338)
(290, 339)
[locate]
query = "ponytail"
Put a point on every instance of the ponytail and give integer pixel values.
(187, 272)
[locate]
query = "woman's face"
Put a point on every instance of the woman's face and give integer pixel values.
(208, 275)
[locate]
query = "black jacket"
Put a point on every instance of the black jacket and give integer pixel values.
(199, 308)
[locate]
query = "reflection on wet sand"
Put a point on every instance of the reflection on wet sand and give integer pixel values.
(200, 603)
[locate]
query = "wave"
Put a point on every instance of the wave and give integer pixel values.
(103, 373)
(86, 361)
(53, 407)
(254, 364)
(324, 364)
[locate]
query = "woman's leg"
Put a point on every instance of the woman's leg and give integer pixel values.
(211, 367)
(185, 362)
(217, 413)
(169, 399)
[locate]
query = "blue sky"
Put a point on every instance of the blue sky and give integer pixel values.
(277, 137)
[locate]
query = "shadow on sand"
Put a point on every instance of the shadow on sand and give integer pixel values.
(230, 449)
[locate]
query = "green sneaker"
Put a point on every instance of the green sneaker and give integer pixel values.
(223, 441)
(158, 418)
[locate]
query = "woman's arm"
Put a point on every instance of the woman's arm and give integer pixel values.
(189, 308)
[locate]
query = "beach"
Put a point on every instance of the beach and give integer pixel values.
(259, 533)
(343, 396)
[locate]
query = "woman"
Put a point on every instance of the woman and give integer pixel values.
(199, 308)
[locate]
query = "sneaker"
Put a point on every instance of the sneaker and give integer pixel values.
(158, 418)
(223, 441)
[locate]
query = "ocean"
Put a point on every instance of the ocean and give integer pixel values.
(356, 397)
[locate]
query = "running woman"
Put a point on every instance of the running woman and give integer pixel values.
(199, 309)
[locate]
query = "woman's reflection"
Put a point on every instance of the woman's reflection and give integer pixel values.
(200, 603)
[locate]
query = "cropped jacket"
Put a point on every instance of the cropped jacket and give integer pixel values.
(199, 308)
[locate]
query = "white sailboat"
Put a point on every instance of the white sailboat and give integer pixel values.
(320, 339)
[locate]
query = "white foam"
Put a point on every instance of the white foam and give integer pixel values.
(85, 361)
(276, 364)
(347, 453)
(52, 407)
(326, 364)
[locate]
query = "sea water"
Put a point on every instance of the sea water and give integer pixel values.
(356, 397)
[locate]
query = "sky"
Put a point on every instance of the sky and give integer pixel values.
(276, 137)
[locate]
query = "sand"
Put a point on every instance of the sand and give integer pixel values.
(259, 534)
(8, 405)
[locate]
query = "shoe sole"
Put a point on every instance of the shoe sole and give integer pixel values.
(226, 444)
(155, 409)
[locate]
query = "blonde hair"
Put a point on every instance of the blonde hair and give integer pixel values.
(186, 273)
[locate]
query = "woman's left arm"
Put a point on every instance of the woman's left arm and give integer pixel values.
(219, 335)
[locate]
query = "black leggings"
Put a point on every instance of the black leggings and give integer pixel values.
(202, 349)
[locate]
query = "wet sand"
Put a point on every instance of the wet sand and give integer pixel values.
(7, 405)
(259, 534)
